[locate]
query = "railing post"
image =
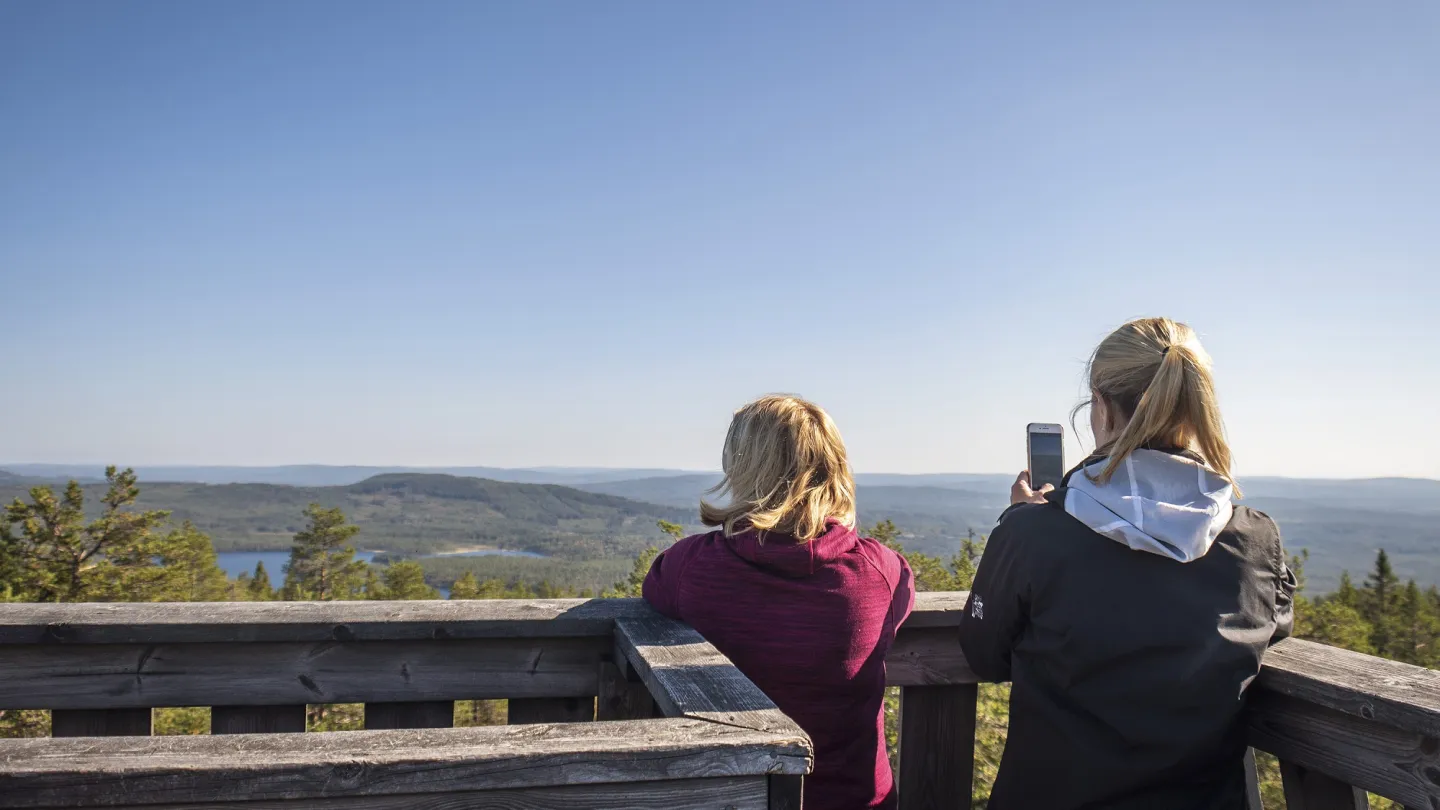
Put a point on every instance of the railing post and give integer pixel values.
(416, 714)
(551, 710)
(257, 719)
(937, 746)
(1306, 789)
(785, 792)
(622, 695)
(100, 723)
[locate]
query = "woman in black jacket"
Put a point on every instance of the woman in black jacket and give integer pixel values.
(1131, 607)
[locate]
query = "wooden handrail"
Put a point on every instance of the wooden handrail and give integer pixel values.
(1339, 721)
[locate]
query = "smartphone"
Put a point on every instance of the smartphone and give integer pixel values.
(1045, 444)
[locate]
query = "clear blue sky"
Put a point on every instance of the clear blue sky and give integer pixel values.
(581, 233)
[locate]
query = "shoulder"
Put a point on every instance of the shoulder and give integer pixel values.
(692, 545)
(1256, 530)
(1032, 524)
(885, 560)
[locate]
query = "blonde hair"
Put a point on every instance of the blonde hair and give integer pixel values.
(1156, 373)
(785, 471)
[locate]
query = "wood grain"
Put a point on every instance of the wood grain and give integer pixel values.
(688, 677)
(176, 770)
(418, 714)
(927, 657)
(786, 792)
(622, 699)
(1310, 790)
(1394, 763)
(551, 710)
(94, 676)
(100, 723)
(1396, 694)
(736, 793)
(937, 746)
(257, 719)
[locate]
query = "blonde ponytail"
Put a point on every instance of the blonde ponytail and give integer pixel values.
(1155, 372)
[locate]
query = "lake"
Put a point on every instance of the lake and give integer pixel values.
(235, 563)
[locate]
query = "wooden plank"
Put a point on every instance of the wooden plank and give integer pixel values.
(937, 609)
(176, 770)
(937, 746)
(1311, 790)
(185, 622)
(100, 723)
(786, 792)
(1252, 782)
(1392, 693)
(927, 657)
(551, 710)
(94, 676)
(621, 699)
(1397, 764)
(739, 793)
(257, 719)
(415, 714)
(688, 677)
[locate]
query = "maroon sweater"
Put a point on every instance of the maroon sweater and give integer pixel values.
(810, 624)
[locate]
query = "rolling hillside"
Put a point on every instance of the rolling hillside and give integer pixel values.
(412, 513)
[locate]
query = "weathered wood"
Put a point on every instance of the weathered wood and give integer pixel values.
(257, 719)
(99, 722)
(733, 793)
(551, 710)
(620, 699)
(1394, 763)
(417, 714)
(176, 770)
(1311, 790)
(182, 622)
(927, 657)
(688, 677)
(1396, 694)
(937, 609)
(937, 746)
(1252, 782)
(786, 792)
(94, 676)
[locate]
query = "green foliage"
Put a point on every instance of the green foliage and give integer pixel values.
(258, 587)
(404, 580)
(48, 553)
(675, 530)
(322, 560)
(933, 573)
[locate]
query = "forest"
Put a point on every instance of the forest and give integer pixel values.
(54, 549)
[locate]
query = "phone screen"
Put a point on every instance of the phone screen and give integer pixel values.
(1047, 459)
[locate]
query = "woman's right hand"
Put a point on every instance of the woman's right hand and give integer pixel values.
(1020, 491)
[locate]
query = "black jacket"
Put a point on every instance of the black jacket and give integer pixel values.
(1129, 667)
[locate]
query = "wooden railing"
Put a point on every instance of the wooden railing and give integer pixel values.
(682, 728)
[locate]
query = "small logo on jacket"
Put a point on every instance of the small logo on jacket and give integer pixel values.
(977, 608)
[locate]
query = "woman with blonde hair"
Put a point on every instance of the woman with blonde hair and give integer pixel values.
(1131, 607)
(801, 603)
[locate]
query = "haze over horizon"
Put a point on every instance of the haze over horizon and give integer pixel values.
(456, 234)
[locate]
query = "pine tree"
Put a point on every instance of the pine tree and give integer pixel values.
(192, 574)
(56, 557)
(1380, 603)
(633, 584)
(259, 589)
(1346, 593)
(466, 587)
(406, 580)
(322, 560)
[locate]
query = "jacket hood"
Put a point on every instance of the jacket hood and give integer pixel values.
(788, 557)
(1164, 503)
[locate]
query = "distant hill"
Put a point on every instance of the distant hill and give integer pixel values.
(321, 475)
(601, 512)
(411, 513)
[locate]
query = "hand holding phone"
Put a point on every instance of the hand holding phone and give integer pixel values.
(1045, 445)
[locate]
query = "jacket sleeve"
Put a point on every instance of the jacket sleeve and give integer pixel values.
(662, 585)
(1284, 603)
(999, 604)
